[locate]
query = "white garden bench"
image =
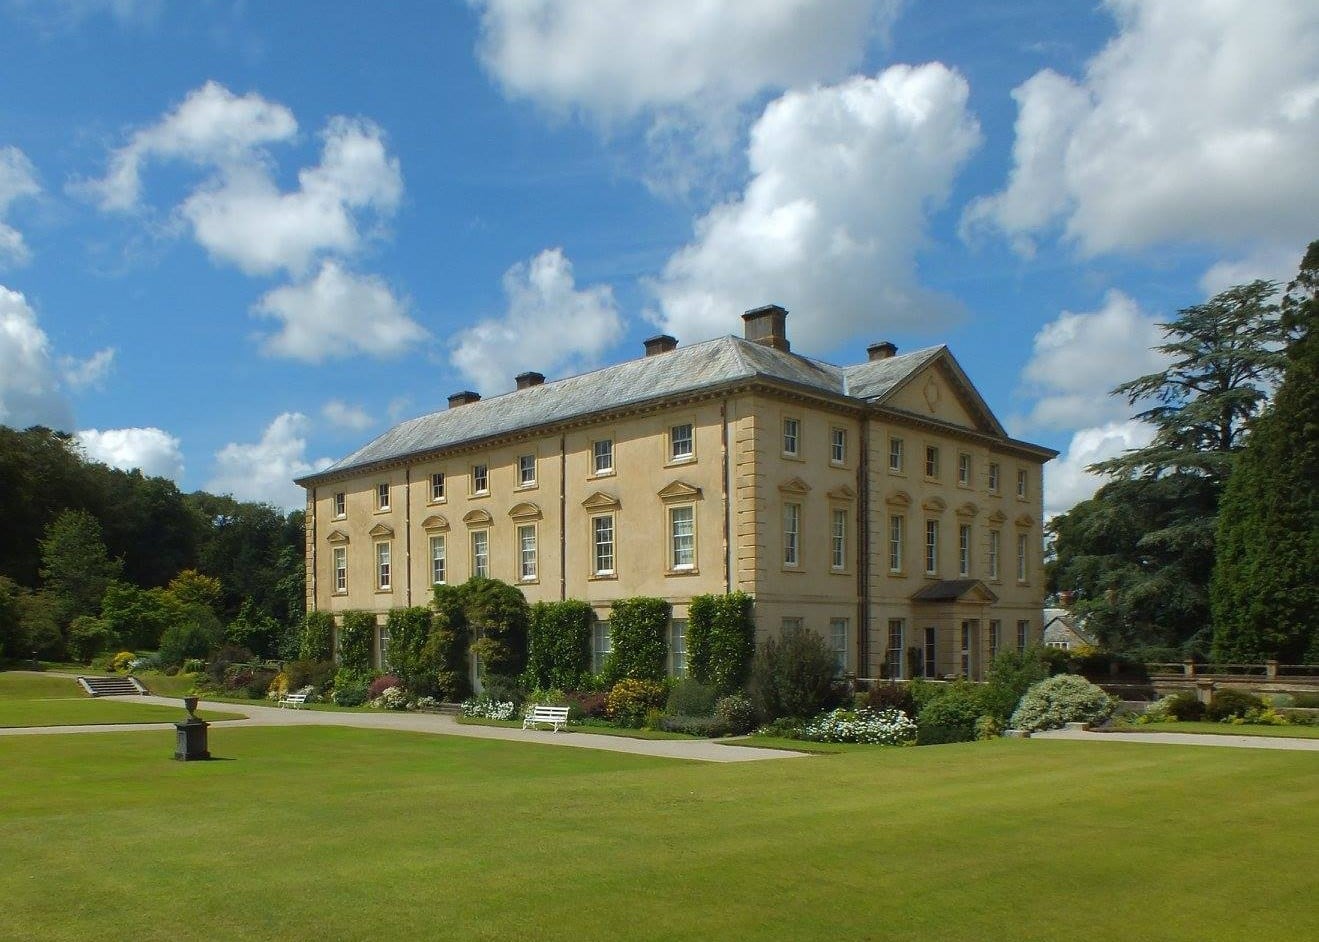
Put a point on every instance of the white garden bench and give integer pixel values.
(556, 716)
(295, 700)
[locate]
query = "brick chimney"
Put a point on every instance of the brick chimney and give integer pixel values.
(882, 350)
(528, 379)
(660, 343)
(765, 325)
(463, 398)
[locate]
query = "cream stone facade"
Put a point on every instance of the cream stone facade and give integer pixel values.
(880, 505)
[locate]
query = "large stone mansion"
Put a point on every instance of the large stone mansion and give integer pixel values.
(881, 505)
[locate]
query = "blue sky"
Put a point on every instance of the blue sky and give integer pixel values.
(237, 239)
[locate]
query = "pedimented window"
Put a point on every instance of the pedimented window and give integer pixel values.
(381, 531)
(525, 511)
(435, 523)
(679, 491)
(478, 518)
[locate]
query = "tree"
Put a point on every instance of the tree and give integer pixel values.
(1265, 588)
(138, 618)
(1140, 552)
(12, 638)
(74, 565)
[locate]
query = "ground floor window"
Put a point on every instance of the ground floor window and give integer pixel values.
(893, 655)
(838, 642)
(601, 645)
(995, 630)
(1023, 634)
(968, 645)
(930, 660)
(678, 647)
(384, 648)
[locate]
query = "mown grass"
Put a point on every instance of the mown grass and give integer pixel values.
(324, 832)
(579, 728)
(49, 700)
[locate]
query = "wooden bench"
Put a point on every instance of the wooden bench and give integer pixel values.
(295, 700)
(556, 716)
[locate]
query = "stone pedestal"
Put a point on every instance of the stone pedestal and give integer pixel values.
(191, 743)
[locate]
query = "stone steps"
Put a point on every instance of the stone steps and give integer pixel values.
(112, 686)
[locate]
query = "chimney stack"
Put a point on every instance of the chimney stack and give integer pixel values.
(882, 350)
(765, 325)
(463, 398)
(660, 343)
(529, 379)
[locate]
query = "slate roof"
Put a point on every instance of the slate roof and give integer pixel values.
(683, 370)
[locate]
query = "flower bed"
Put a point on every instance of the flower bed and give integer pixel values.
(880, 727)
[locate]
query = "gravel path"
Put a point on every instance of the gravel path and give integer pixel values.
(1186, 739)
(702, 750)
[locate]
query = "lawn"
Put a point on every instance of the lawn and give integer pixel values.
(1223, 729)
(323, 832)
(579, 728)
(48, 700)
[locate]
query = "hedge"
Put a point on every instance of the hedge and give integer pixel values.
(721, 640)
(317, 637)
(559, 644)
(638, 629)
(409, 630)
(356, 641)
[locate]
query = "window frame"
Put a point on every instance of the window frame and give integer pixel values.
(520, 547)
(931, 547)
(1023, 557)
(339, 566)
(995, 554)
(995, 477)
(690, 455)
(480, 536)
(899, 652)
(897, 547)
(437, 488)
(932, 462)
(523, 480)
(1023, 484)
(837, 539)
(339, 505)
(596, 469)
(791, 436)
(597, 572)
(837, 446)
(442, 559)
(1023, 634)
(840, 653)
(672, 516)
(964, 549)
(384, 566)
(483, 488)
(382, 497)
(791, 555)
(600, 651)
(995, 636)
(964, 469)
(897, 456)
(677, 647)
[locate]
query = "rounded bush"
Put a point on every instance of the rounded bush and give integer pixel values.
(736, 714)
(1062, 699)
(1227, 704)
(628, 702)
(1185, 707)
(951, 716)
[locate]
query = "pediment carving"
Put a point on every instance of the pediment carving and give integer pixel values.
(1025, 520)
(679, 490)
(435, 522)
(898, 499)
(525, 511)
(998, 516)
(337, 536)
(380, 529)
(969, 509)
(601, 501)
(842, 492)
(795, 486)
(478, 518)
(936, 504)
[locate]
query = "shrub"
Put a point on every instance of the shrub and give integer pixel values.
(351, 687)
(950, 716)
(318, 675)
(356, 639)
(497, 614)
(193, 665)
(691, 698)
(1185, 707)
(88, 637)
(639, 647)
(484, 707)
(693, 725)
(381, 684)
(409, 630)
(783, 728)
(628, 700)
(736, 714)
(559, 643)
(391, 698)
(444, 654)
(925, 692)
(583, 704)
(217, 668)
(891, 696)
(121, 660)
(792, 676)
(887, 727)
(721, 640)
(317, 643)
(1010, 675)
(256, 683)
(988, 727)
(1227, 704)
(192, 638)
(1062, 699)
(503, 688)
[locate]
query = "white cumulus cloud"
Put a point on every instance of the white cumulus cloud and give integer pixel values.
(1196, 123)
(18, 180)
(550, 326)
(1078, 358)
(264, 470)
(337, 314)
(843, 179)
(92, 371)
(30, 392)
(156, 452)
(1066, 480)
(342, 415)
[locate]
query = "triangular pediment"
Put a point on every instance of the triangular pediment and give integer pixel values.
(525, 511)
(435, 522)
(1025, 520)
(380, 529)
(998, 516)
(842, 492)
(936, 504)
(601, 501)
(942, 389)
(955, 590)
(679, 490)
(795, 486)
(969, 509)
(898, 499)
(478, 518)
(337, 536)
